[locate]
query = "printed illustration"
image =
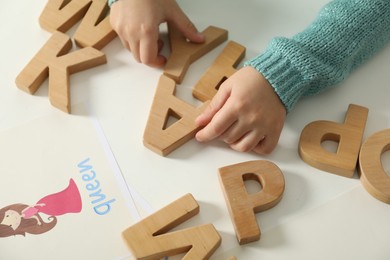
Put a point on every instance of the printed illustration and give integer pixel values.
(19, 219)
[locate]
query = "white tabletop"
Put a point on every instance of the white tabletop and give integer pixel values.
(321, 215)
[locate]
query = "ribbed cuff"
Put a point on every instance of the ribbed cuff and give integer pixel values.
(111, 2)
(288, 82)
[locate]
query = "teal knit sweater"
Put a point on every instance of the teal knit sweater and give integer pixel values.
(344, 35)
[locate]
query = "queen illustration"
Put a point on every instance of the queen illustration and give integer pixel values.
(19, 219)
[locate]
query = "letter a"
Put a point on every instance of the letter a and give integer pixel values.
(148, 239)
(52, 62)
(348, 135)
(157, 136)
(372, 175)
(243, 206)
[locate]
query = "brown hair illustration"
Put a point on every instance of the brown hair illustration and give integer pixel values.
(27, 225)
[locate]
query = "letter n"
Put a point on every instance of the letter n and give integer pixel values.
(348, 136)
(242, 205)
(158, 136)
(372, 174)
(52, 62)
(148, 239)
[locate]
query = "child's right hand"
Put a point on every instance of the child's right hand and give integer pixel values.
(246, 113)
(137, 25)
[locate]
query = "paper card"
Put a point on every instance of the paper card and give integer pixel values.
(60, 197)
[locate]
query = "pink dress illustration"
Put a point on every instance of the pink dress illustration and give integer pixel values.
(19, 219)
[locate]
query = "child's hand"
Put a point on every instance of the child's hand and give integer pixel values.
(246, 113)
(137, 24)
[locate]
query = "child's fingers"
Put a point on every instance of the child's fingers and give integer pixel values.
(149, 50)
(206, 116)
(217, 126)
(267, 145)
(247, 142)
(235, 132)
(148, 46)
(125, 43)
(215, 105)
(185, 26)
(134, 48)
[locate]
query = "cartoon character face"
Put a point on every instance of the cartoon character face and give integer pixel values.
(12, 219)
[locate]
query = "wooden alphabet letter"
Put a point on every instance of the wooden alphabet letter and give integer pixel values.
(61, 15)
(372, 175)
(348, 136)
(157, 136)
(243, 206)
(95, 29)
(183, 53)
(222, 68)
(52, 62)
(148, 239)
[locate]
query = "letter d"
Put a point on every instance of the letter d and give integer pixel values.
(348, 136)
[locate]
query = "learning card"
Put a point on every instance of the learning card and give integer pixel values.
(61, 197)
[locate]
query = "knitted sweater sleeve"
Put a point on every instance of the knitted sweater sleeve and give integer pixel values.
(344, 35)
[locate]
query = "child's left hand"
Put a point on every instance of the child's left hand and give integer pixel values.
(246, 113)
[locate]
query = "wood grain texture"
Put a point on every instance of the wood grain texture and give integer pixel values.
(164, 139)
(222, 68)
(54, 61)
(372, 174)
(242, 205)
(61, 15)
(95, 29)
(148, 239)
(183, 53)
(348, 135)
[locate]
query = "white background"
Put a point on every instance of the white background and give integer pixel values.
(321, 215)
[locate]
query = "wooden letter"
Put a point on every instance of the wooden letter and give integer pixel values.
(243, 206)
(348, 136)
(157, 136)
(372, 175)
(95, 29)
(183, 53)
(52, 62)
(147, 239)
(222, 68)
(61, 15)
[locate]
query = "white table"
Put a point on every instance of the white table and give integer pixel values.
(321, 216)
